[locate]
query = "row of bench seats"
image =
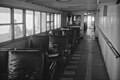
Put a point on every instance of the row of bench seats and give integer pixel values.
(43, 60)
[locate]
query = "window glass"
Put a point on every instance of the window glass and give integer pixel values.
(43, 22)
(37, 22)
(48, 26)
(18, 16)
(52, 26)
(5, 33)
(18, 30)
(5, 15)
(67, 21)
(5, 24)
(48, 17)
(59, 21)
(48, 21)
(51, 17)
(55, 21)
(18, 23)
(29, 22)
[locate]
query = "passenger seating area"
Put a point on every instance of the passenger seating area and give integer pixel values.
(46, 55)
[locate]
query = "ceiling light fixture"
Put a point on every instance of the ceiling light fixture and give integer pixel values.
(63, 0)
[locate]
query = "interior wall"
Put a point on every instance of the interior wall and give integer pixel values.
(96, 23)
(109, 26)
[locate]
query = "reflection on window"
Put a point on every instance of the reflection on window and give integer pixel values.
(18, 16)
(18, 31)
(5, 33)
(37, 22)
(29, 22)
(43, 22)
(5, 15)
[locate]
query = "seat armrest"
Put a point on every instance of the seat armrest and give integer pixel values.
(53, 55)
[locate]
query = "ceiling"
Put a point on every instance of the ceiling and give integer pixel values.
(72, 5)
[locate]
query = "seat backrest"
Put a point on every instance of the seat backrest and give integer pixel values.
(38, 41)
(4, 63)
(55, 32)
(26, 65)
(69, 34)
(61, 41)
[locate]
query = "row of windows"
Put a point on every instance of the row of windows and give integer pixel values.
(17, 23)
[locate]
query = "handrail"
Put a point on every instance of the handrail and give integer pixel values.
(115, 52)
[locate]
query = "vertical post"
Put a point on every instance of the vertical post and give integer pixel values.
(12, 23)
(24, 23)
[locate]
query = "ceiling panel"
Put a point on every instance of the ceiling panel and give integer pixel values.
(73, 5)
(107, 1)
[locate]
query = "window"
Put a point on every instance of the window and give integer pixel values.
(5, 24)
(5, 15)
(18, 16)
(29, 23)
(52, 21)
(18, 23)
(55, 21)
(43, 22)
(48, 21)
(59, 21)
(37, 22)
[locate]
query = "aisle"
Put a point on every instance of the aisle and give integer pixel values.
(87, 62)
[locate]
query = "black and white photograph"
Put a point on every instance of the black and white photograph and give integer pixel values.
(59, 39)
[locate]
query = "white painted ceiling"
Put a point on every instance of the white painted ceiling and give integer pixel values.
(72, 5)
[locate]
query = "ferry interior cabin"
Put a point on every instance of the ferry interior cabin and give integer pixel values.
(59, 39)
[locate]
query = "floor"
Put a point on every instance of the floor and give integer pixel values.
(87, 61)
